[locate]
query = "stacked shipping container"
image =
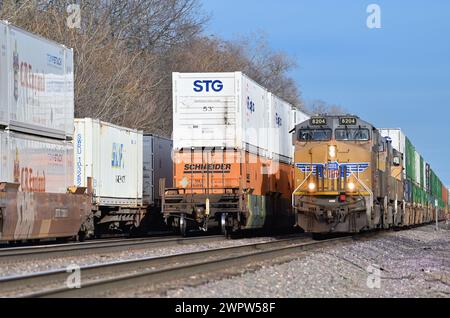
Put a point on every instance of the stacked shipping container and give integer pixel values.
(36, 111)
(232, 111)
(231, 134)
(112, 157)
(36, 128)
(422, 186)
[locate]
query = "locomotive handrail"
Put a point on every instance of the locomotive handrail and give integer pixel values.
(368, 208)
(301, 184)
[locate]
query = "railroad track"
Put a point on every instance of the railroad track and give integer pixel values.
(103, 246)
(98, 281)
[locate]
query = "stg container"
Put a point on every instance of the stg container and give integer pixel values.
(158, 165)
(112, 156)
(36, 84)
(37, 164)
(282, 119)
(280, 144)
(220, 110)
(232, 111)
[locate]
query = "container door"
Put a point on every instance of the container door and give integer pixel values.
(148, 167)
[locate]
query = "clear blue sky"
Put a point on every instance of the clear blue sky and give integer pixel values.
(396, 76)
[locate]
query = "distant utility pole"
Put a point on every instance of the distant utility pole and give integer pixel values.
(437, 218)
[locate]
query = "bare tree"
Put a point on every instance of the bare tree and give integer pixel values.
(319, 107)
(126, 50)
(119, 52)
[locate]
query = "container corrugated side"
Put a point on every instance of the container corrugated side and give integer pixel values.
(112, 156)
(255, 116)
(220, 110)
(205, 116)
(36, 84)
(157, 164)
(422, 172)
(280, 144)
(38, 164)
(410, 154)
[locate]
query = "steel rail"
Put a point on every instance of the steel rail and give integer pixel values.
(150, 271)
(75, 249)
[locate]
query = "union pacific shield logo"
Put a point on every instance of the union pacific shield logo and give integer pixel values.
(333, 170)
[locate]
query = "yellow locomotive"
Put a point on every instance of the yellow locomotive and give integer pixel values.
(349, 178)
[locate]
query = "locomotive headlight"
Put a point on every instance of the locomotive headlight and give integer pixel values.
(312, 187)
(332, 151)
(351, 186)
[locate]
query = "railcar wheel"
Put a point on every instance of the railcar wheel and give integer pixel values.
(223, 224)
(81, 236)
(183, 231)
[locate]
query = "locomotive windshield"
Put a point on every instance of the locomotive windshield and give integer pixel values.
(314, 135)
(352, 134)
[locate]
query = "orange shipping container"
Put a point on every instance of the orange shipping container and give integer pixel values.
(231, 180)
(445, 195)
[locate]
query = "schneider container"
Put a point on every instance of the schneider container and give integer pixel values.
(36, 84)
(112, 157)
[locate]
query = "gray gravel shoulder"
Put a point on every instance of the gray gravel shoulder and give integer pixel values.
(412, 263)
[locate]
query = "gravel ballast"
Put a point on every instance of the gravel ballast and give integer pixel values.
(412, 263)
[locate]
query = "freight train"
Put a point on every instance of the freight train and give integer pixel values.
(232, 164)
(352, 177)
(59, 177)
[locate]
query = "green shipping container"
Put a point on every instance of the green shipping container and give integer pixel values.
(410, 160)
(422, 173)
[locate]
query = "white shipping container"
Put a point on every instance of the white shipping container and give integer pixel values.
(36, 84)
(417, 162)
(37, 164)
(157, 164)
(220, 110)
(297, 117)
(112, 156)
(397, 136)
(280, 141)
